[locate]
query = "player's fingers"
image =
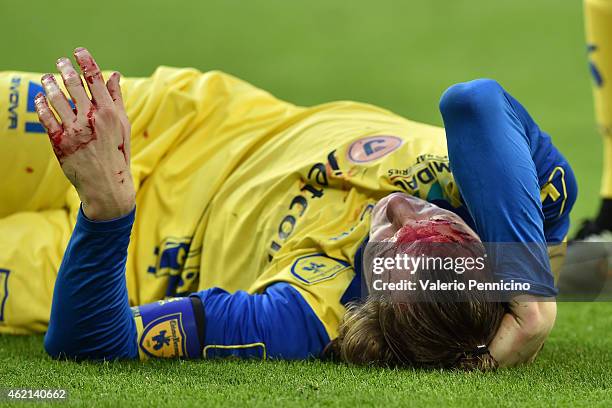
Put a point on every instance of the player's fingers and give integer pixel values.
(114, 89)
(74, 85)
(94, 78)
(57, 98)
(45, 115)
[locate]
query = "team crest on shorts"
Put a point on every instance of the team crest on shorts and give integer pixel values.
(371, 148)
(164, 337)
(317, 268)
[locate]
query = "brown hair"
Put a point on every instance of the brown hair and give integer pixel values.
(442, 332)
(429, 335)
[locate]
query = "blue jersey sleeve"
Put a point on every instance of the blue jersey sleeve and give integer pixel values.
(90, 315)
(492, 142)
(277, 323)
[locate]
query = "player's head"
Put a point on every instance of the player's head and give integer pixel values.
(433, 331)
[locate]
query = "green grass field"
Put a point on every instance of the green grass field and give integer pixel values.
(397, 54)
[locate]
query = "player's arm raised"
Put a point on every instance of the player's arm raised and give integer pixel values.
(489, 138)
(90, 314)
(91, 141)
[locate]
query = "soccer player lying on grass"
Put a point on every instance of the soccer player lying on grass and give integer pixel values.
(253, 216)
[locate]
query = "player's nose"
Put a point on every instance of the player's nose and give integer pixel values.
(401, 209)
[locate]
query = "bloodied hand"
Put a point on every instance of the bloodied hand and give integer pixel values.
(90, 135)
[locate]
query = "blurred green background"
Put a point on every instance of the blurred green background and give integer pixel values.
(397, 54)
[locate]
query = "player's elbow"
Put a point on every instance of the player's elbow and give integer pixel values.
(55, 347)
(470, 99)
(61, 344)
(79, 342)
(62, 340)
(538, 319)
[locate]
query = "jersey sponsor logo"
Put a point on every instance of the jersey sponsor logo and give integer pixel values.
(164, 337)
(429, 178)
(316, 268)
(371, 148)
(14, 97)
(312, 189)
(595, 72)
(14, 103)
